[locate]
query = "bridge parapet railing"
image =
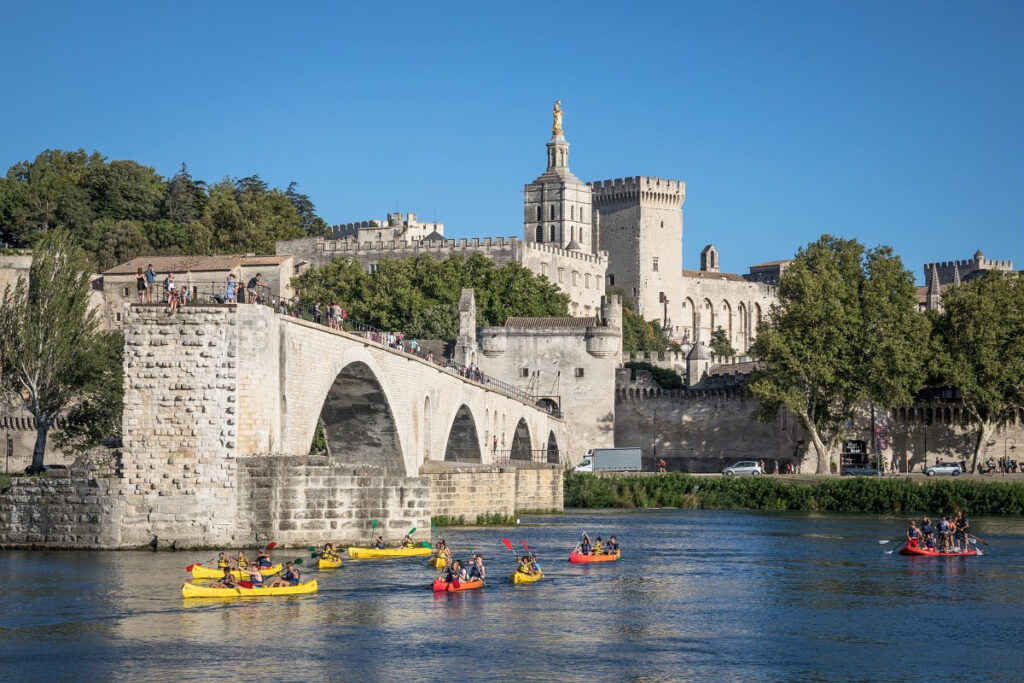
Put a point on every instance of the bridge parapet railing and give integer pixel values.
(505, 457)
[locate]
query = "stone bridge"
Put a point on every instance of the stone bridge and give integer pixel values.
(379, 406)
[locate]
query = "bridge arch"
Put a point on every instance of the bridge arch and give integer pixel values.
(522, 446)
(359, 425)
(463, 439)
(553, 455)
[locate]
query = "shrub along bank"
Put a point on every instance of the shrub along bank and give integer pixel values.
(847, 494)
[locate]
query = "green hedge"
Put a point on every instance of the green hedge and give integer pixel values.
(846, 494)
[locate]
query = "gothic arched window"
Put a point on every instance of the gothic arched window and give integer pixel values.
(552, 212)
(539, 216)
(552, 238)
(540, 233)
(572, 213)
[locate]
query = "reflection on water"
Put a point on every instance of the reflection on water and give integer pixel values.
(698, 595)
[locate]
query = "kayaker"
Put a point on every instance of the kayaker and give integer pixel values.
(531, 564)
(263, 559)
(289, 577)
(379, 542)
(524, 565)
(476, 568)
(927, 533)
(611, 546)
(913, 535)
(944, 534)
(455, 572)
(441, 550)
(407, 541)
(329, 552)
(223, 561)
(961, 525)
(255, 576)
(241, 561)
(585, 544)
(228, 580)
(598, 546)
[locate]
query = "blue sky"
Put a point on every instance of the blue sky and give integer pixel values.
(897, 123)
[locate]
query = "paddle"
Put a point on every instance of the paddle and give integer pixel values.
(977, 539)
(373, 528)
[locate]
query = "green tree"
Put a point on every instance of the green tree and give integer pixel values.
(638, 335)
(720, 345)
(48, 336)
(845, 332)
(95, 415)
(186, 198)
(420, 295)
(978, 344)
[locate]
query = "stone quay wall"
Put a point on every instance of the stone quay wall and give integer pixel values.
(305, 500)
(74, 508)
(470, 490)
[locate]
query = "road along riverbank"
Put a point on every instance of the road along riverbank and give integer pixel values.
(890, 494)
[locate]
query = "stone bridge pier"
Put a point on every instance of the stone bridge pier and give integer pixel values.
(221, 405)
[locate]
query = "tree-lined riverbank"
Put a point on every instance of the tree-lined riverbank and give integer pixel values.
(847, 494)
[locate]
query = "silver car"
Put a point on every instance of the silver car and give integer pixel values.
(950, 468)
(743, 467)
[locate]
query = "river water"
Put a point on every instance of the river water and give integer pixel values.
(698, 595)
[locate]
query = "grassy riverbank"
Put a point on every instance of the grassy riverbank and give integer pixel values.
(846, 494)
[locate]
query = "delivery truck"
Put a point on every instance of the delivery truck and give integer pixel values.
(610, 460)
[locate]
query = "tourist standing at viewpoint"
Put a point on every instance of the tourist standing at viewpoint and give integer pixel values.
(150, 281)
(229, 294)
(140, 285)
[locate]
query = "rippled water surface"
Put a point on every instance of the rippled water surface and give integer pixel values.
(698, 595)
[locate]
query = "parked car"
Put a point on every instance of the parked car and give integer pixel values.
(859, 471)
(950, 468)
(743, 467)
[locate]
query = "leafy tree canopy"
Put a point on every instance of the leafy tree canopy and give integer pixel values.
(116, 210)
(978, 347)
(638, 335)
(845, 331)
(720, 345)
(420, 295)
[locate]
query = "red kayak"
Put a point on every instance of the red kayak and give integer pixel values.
(924, 552)
(450, 586)
(577, 558)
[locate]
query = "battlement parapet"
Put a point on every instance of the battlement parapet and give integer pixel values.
(643, 188)
(598, 258)
(352, 245)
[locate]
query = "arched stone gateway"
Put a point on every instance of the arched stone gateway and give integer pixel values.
(553, 456)
(463, 439)
(358, 423)
(522, 448)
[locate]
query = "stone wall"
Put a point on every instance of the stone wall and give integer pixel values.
(299, 501)
(471, 490)
(74, 508)
(18, 424)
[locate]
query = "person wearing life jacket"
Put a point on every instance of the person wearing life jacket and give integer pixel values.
(598, 546)
(330, 552)
(289, 577)
(531, 564)
(611, 546)
(913, 535)
(223, 561)
(228, 580)
(379, 542)
(263, 559)
(961, 529)
(585, 548)
(524, 565)
(242, 562)
(927, 533)
(441, 551)
(407, 541)
(255, 576)
(476, 568)
(945, 541)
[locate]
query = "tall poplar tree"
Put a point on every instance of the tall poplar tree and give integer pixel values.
(845, 332)
(49, 338)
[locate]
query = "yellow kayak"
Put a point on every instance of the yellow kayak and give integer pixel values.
(520, 577)
(437, 562)
(369, 553)
(328, 564)
(191, 590)
(214, 573)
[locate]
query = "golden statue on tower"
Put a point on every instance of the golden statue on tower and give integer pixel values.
(557, 112)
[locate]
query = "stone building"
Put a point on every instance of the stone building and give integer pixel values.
(941, 275)
(566, 364)
(394, 227)
(204, 276)
(13, 265)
